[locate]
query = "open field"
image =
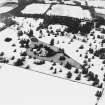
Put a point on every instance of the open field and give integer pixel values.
(23, 87)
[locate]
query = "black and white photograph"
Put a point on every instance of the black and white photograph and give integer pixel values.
(52, 52)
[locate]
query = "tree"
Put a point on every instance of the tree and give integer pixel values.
(55, 71)
(68, 65)
(84, 71)
(76, 71)
(51, 68)
(98, 94)
(23, 54)
(81, 47)
(27, 67)
(24, 43)
(69, 74)
(54, 64)
(96, 82)
(91, 50)
(104, 77)
(30, 34)
(13, 45)
(103, 31)
(50, 52)
(62, 58)
(13, 57)
(60, 70)
(20, 33)
(101, 85)
(1, 53)
(78, 77)
(52, 42)
(14, 50)
(91, 76)
(19, 62)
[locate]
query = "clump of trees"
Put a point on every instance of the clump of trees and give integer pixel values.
(100, 21)
(74, 24)
(8, 39)
(23, 54)
(4, 60)
(91, 50)
(103, 41)
(98, 94)
(24, 43)
(54, 64)
(50, 51)
(100, 53)
(103, 31)
(19, 62)
(68, 65)
(86, 28)
(96, 80)
(91, 76)
(84, 71)
(41, 62)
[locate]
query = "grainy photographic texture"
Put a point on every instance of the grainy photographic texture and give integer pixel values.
(59, 38)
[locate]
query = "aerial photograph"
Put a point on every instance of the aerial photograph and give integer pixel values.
(52, 52)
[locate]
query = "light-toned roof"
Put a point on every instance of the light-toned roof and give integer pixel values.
(101, 11)
(58, 10)
(70, 11)
(35, 8)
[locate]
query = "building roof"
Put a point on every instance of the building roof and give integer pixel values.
(58, 10)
